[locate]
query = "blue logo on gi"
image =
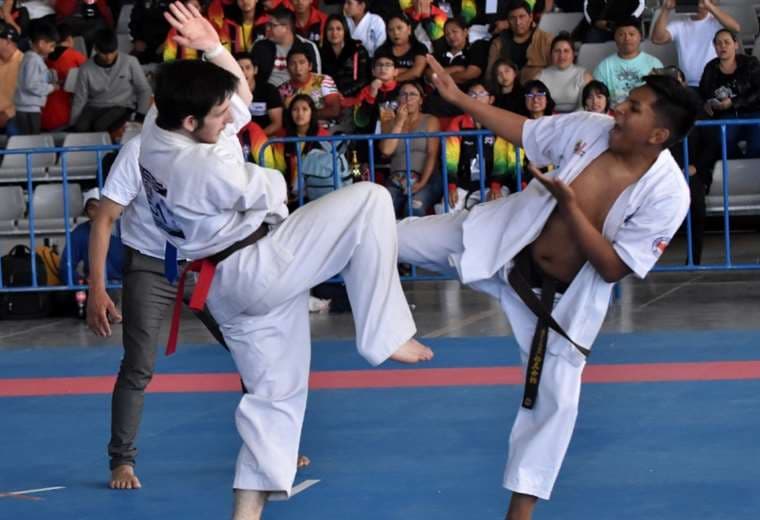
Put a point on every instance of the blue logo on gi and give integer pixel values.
(162, 215)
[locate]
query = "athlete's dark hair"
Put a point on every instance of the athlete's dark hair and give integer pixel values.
(676, 106)
(190, 88)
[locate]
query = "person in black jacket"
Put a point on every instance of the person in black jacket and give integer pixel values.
(343, 58)
(148, 29)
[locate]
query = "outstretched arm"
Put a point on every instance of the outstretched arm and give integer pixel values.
(597, 249)
(501, 122)
(196, 32)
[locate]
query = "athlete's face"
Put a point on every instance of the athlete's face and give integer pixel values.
(636, 123)
(218, 117)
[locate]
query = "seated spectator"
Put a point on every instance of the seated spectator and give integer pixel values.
(730, 88)
(508, 93)
(523, 43)
(79, 241)
(253, 140)
(499, 22)
(692, 35)
(107, 86)
(381, 92)
(148, 29)
(463, 165)
(344, 59)
(57, 111)
(622, 71)
(238, 31)
(275, 48)
(300, 120)
(563, 77)
(366, 27)
(425, 187)
(538, 103)
(596, 97)
(310, 21)
(601, 18)
(10, 63)
(87, 17)
(407, 52)
(319, 87)
(465, 63)
(35, 80)
(428, 23)
(173, 50)
(266, 107)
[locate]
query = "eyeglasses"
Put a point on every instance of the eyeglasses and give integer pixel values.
(535, 95)
(385, 65)
(479, 94)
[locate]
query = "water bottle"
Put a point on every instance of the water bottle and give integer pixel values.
(81, 298)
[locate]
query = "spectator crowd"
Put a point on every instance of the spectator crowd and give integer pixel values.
(360, 68)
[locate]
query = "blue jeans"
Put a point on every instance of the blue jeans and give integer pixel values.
(422, 201)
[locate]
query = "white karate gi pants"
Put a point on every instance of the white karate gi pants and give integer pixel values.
(540, 437)
(351, 232)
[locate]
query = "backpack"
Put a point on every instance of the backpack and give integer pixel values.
(317, 168)
(52, 261)
(17, 272)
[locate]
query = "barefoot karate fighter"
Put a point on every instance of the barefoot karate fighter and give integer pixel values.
(552, 253)
(212, 205)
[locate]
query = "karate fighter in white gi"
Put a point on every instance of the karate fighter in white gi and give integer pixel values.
(609, 209)
(212, 205)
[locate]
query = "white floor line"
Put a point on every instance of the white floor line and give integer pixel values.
(671, 291)
(31, 491)
(457, 324)
(30, 329)
(306, 484)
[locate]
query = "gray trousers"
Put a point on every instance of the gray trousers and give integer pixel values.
(147, 299)
(28, 123)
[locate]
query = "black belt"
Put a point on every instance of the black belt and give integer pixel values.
(254, 237)
(524, 276)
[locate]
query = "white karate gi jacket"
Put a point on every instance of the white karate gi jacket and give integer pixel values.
(639, 225)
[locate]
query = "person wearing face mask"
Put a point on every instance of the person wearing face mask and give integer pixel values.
(624, 70)
(564, 79)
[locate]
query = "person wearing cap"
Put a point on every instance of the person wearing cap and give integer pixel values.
(10, 63)
(79, 243)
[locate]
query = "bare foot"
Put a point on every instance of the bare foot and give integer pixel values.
(123, 477)
(412, 352)
(303, 461)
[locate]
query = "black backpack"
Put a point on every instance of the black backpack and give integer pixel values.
(17, 272)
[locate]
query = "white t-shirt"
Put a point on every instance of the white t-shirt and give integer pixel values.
(639, 225)
(694, 43)
(205, 197)
(621, 76)
(370, 31)
(124, 186)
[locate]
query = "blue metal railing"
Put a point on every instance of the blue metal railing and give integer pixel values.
(100, 150)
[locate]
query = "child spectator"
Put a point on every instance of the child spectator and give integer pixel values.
(507, 89)
(57, 111)
(596, 97)
(35, 80)
(266, 107)
(300, 120)
(463, 165)
(381, 92)
(538, 103)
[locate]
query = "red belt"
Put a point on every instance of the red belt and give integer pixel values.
(206, 268)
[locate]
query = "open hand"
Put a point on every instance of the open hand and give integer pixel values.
(443, 81)
(101, 312)
(193, 29)
(559, 189)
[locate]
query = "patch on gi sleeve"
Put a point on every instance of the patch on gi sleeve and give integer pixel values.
(659, 245)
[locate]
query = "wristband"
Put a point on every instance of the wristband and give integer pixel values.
(213, 53)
